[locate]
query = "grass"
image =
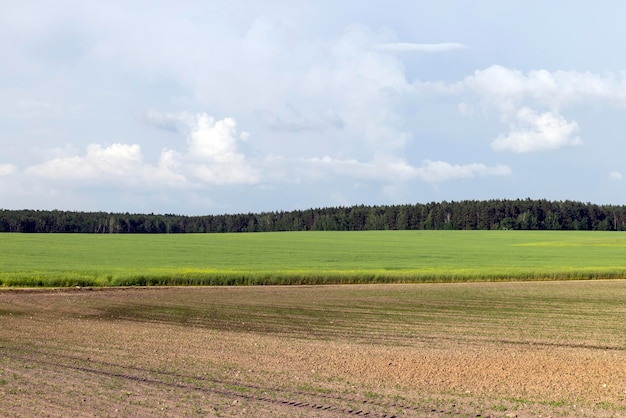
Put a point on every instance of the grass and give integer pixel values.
(59, 260)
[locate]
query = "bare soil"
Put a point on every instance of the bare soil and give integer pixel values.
(305, 351)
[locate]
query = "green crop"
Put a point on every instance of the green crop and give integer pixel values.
(308, 257)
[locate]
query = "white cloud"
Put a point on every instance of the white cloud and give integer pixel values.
(508, 88)
(7, 169)
(211, 158)
(212, 147)
(119, 164)
(440, 171)
(616, 175)
(166, 172)
(214, 141)
(303, 89)
(538, 132)
(397, 171)
(416, 47)
(114, 160)
(531, 103)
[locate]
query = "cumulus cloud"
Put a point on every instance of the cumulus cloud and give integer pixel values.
(212, 147)
(532, 102)
(115, 160)
(6, 169)
(120, 164)
(538, 132)
(616, 175)
(211, 158)
(417, 47)
(214, 141)
(166, 172)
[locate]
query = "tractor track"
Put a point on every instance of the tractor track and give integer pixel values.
(286, 398)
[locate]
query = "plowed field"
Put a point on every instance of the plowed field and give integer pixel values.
(480, 349)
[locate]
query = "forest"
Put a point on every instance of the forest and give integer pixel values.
(525, 214)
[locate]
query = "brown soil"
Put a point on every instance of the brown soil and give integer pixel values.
(98, 353)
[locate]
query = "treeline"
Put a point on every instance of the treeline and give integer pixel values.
(468, 215)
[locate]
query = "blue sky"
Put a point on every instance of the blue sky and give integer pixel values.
(202, 107)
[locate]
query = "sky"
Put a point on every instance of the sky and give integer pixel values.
(210, 107)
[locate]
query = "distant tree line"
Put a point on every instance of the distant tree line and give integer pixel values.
(463, 215)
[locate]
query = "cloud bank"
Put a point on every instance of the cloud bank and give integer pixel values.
(228, 105)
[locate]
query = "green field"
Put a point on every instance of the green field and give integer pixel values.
(308, 257)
